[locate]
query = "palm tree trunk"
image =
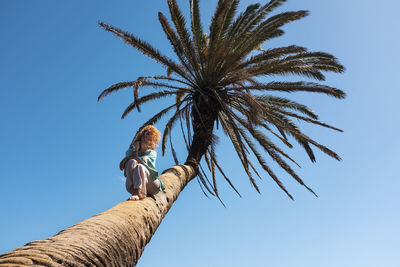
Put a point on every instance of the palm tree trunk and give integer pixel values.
(204, 115)
(116, 237)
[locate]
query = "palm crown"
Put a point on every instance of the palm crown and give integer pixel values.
(216, 82)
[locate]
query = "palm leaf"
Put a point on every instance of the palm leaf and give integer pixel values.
(280, 102)
(264, 164)
(168, 127)
(310, 120)
(270, 150)
(295, 87)
(176, 43)
(173, 151)
(147, 50)
(239, 147)
(145, 99)
(204, 183)
(197, 28)
(184, 36)
(271, 54)
(241, 20)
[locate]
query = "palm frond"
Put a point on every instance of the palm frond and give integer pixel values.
(310, 120)
(213, 186)
(241, 20)
(157, 117)
(197, 28)
(266, 30)
(207, 159)
(224, 175)
(217, 23)
(176, 44)
(270, 148)
(247, 26)
(264, 165)
(161, 77)
(148, 50)
(276, 135)
(280, 102)
(239, 147)
(294, 87)
(169, 125)
(145, 99)
(229, 16)
(184, 36)
(292, 129)
(183, 131)
(204, 182)
(270, 54)
(114, 88)
(201, 187)
(174, 155)
(263, 139)
(212, 165)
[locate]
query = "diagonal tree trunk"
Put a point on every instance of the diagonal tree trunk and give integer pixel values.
(116, 237)
(204, 115)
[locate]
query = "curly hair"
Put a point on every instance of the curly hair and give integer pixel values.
(152, 139)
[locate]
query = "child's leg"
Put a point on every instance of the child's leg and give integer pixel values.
(136, 179)
(141, 178)
(153, 186)
(129, 173)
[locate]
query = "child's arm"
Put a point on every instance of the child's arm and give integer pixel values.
(133, 156)
(122, 163)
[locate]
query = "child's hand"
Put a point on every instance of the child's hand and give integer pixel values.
(137, 149)
(122, 163)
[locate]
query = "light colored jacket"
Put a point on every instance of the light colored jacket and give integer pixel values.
(148, 159)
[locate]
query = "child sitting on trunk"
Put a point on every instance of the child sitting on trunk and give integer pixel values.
(139, 165)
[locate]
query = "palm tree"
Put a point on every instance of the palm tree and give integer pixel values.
(216, 82)
(219, 81)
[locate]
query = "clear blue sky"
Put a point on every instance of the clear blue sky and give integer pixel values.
(60, 149)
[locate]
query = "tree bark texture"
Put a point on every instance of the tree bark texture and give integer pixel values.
(116, 237)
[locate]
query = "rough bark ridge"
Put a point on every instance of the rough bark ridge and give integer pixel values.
(116, 237)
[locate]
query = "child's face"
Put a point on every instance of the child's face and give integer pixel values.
(146, 136)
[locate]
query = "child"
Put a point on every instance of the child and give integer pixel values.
(139, 165)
